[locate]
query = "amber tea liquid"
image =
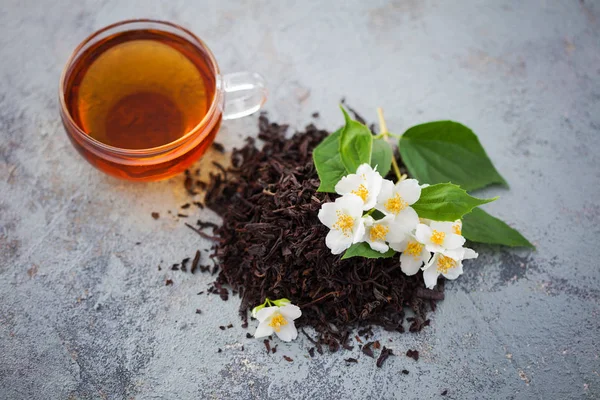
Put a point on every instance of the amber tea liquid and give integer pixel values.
(140, 89)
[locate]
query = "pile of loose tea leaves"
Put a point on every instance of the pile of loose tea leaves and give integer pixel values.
(271, 244)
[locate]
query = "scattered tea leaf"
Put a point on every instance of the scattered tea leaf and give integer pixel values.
(385, 353)
(414, 354)
(366, 349)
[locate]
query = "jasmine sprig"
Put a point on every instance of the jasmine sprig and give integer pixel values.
(434, 153)
(277, 316)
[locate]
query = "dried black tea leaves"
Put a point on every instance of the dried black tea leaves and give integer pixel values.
(271, 244)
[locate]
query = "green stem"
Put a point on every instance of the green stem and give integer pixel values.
(386, 134)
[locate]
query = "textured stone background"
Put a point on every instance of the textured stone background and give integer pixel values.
(84, 312)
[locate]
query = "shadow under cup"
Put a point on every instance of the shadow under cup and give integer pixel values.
(142, 100)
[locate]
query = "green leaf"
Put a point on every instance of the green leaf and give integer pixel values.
(356, 142)
(328, 162)
(446, 202)
(381, 156)
(364, 250)
(281, 302)
(377, 215)
(446, 151)
(481, 227)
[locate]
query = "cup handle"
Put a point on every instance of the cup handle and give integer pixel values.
(245, 93)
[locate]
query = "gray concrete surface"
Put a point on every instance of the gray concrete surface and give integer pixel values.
(85, 313)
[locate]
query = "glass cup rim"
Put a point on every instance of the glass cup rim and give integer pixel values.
(150, 150)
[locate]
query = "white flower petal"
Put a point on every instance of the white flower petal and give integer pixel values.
(366, 170)
(386, 192)
(431, 262)
(374, 189)
(379, 246)
(399, 246)
(350, 204)
(264, 313)
(455, 254)
(397, 234)
(423, 234)
(455, 272)
(425, 256)
(409, 190)
(263, 329)
(348, 183)
(288, 332)
(469, 254)
(368, 220)
(370, 203)
(405, 222)
(290, 312)
(359, 231)
(442, 226)
(430, 276)
(327, 214)
(337, 241)
(409, 264)
(453, 241)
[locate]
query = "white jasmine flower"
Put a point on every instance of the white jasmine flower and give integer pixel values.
(397, 199)
(414, 254)
(344, 218)
(445, 265)
(439, 237)
(279, 320)
(387, 229)
(365, 183)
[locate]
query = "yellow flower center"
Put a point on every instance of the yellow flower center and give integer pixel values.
(378, 232)
(456, 229)
(344, 223)
(414, 249)
(361, 192)
(445, 264)
(437, 237)
(277, 322)
(395, 204)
